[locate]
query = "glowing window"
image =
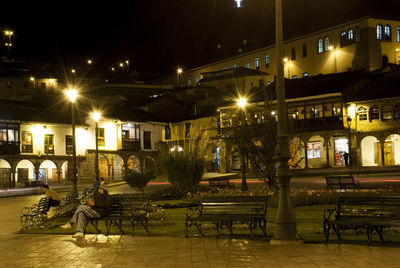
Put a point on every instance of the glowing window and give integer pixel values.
(326, 43)
(351, 34)
(314, 150)
(362, 114)
(388, 32)
(266, 60)
(379, 32)
(320, 45)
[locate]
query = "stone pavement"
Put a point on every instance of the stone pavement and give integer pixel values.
(131, 251)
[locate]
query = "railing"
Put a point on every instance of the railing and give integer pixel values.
(131, 145)
(27, 148)
(7, 148)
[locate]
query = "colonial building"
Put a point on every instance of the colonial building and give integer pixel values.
(362, 44)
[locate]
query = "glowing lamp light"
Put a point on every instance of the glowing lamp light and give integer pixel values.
(73, 71)
(96, 116)
(179, 70)
(121, 65)
(32, 78)
(397, 50)
(330, 47)
(71, 94)
(285, 60)
(242, 102)
(89, 61)
(238, 3)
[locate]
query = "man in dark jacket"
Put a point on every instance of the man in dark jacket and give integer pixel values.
(95, 208)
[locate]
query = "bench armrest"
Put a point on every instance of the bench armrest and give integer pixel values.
(328, 214)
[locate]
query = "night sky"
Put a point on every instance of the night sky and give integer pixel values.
(159, 35)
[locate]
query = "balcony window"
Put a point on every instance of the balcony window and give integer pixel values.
(388, 32)
(351, 34)
(357, 34)
(362, 114)
(49, 144)
(293, 54)
(320, 45)
(373, 113)
(101, 137)
(379, 32)
(327, 43)
(167, 133)
(69, 146)
(266, 60)
(187, 130)
(146, 139)
(387, 113)
(27, 142)
(304, 50)
(131, 132)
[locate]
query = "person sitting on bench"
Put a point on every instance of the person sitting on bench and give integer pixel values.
(95, 208)
(52, 195)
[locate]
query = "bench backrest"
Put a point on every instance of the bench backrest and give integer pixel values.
(369, 207)
(43, 205)
(234, 205)
(218, 182)
(124, 204)
(332, 180)
(346, 179)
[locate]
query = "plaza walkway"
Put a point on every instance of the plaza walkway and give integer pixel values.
(131, 251)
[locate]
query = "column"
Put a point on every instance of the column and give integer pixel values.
(327, 140)
(13, 180)
(382, 143)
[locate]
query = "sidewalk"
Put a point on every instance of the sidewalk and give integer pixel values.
(136, 251)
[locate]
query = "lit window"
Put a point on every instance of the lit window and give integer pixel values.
(379, 32)
(266, 60)
(373, 113)
(326, 43)
(248, 64)
(225, 68)
(362, 114)
(351, 34)
(101, 138)
(387, 113)
(388, 32)
(197, 78)
(343, 34)
(257, 62)
(234, 66)
(314, 150)
(189, 82)
(398, 34)
(320, 45)
(305, 74)
(357, 34)
(294, 77)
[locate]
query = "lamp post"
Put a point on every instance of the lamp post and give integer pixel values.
(178, 73)
(96, 116)
(241, 103)
(72, 95)
(286, 231)
(349, 128)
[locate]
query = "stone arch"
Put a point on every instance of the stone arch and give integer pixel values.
(370, 151)
(65, 171)
(105, 166)
(151, 166)
(133, 162)
(5, 174)
(25, 171)
(316, 152)
(392, 150)
(297, 153)
(48, 171)
(118, 167)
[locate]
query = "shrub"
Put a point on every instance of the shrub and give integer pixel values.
(184, 169)
(136, 179)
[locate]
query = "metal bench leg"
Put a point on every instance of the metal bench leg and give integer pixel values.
(379, 231)
(217, 225)
(263, 227)
(369, 233)
(120, 226)
(327, 228)
(337, 231)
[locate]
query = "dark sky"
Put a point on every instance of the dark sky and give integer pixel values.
(159, 35)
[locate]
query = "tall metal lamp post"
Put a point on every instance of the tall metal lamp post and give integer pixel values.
(349, 128)
(72, 95)
(241, 103)
(286, 231)
(178, 73)
(96, 116)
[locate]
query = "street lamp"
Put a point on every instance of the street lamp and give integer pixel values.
(286, 231)
(241, 103)
(96, 117)
(179, 72)
(72, 95)
(349, 128)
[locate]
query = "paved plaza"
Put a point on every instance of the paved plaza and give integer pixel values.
(161, 251)
(131, 251)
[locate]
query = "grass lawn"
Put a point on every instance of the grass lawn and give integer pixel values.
(309, 225)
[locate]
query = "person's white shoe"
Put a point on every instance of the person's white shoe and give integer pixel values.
(78, 235)
(66, 226)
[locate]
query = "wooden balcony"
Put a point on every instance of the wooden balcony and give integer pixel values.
(9, 148)
(130, 145)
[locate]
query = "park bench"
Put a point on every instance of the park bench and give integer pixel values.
(36, 214)
(371, 213)
(130, 208)
(225, 211)
(66, 205)
(220, 183)
(342, 182)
